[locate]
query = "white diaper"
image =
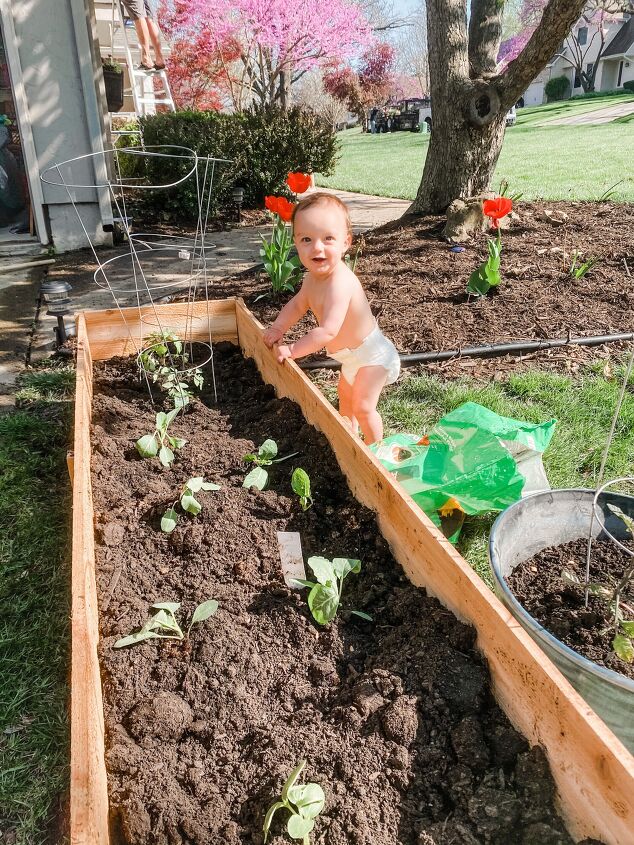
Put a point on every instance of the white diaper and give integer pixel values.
(375, 351)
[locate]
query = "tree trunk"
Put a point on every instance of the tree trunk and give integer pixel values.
(469, 100)
(284, 91)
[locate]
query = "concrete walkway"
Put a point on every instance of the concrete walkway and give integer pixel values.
(24, 330)
(604, 115)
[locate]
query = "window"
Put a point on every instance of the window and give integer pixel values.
(582, 35)
(589, 68)
(618, 81)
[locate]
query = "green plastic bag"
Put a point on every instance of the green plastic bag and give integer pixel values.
(472, 461)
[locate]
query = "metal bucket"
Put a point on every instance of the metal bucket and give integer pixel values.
(553, 518)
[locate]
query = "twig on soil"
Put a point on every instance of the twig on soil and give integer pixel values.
(627, 269)
(112, 586)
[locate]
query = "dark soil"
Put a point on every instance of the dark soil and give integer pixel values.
(395, 717)
(559, 605)
(416, 286)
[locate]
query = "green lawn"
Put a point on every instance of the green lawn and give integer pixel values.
(582, 405)
(34, 597)
(568, 108)
(549, 162)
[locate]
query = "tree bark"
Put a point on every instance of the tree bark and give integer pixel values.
(469, 101)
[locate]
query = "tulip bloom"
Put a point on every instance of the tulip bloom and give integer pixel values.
(298, 182)
(280, 206)
(496, 209)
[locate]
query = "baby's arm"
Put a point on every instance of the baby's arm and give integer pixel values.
(290, 314)
(335, 308)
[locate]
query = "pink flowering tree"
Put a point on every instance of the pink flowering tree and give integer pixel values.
(279, 40)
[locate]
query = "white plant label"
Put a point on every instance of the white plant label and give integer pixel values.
(185, 254)
(290, 546)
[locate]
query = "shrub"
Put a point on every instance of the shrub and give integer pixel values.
(262, 146)
(591, 95)
(629, 85)
(557, 88)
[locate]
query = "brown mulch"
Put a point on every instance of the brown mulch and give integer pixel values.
(416, 285)
(395, 717)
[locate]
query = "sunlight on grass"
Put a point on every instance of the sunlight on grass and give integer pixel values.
(542, 162)
(34, 626)
(583, 407)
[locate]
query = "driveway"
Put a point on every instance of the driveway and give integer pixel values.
(604, 115)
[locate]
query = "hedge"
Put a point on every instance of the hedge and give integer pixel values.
(557, 88)
(262, 147)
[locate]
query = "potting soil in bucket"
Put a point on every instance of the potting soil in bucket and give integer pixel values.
(395, 717)
(473, 460)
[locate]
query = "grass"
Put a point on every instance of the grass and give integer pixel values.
(542, 162)
(34, 621)
(568, 108)
(582, 405)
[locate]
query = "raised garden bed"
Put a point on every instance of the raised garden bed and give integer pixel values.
(387, 722)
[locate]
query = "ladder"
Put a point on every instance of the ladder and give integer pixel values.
(145, 94)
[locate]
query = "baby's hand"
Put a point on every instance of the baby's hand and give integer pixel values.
(283, 352)
(271, 336)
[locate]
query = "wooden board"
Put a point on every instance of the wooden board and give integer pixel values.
(121, 331)
(593, 770)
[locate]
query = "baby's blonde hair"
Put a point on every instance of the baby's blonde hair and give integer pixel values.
(322, 198)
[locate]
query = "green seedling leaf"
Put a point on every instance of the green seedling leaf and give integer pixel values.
(342, 566)
(256, 478)
(279, 805)
(323, 569)
(299, 827)
(169, 521)
(170, 417)
(166, 456)
(133, 639)
(195, 484)
(309, 799)
(170, 606)
(190, 504)
(204, 611)
(147, 446)
(363, 615)
(300, 482)
(628, 628)
(268, 450)
(323, 601)
(627, 520)
(304, 583)
(176, 442)
(291, 780)
(161, 421)
(208, 485)
(623, 648)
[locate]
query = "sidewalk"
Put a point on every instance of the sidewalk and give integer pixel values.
(24, 331)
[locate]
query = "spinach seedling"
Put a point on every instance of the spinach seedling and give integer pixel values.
(160, 443)
(304, 802)
(162, 625)
(325, 595)
(300, 482)
(266, 455)
(188, 501)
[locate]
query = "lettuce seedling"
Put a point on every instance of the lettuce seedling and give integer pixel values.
(160, 443)
(188, 501)
(304, 802)
(325, 595)
(162, 625)
(300, 482)
(266, 455)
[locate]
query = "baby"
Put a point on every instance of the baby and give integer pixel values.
(369, 361)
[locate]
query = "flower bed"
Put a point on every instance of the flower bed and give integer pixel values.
(201, 735)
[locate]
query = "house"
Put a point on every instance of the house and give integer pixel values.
(52, 94)
(607, 40)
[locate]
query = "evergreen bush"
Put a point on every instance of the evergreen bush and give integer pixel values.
(557, 88)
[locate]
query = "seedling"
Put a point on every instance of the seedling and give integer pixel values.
(266, 455)
(160, 442)
(162, 625)
(300, 482)
(325, 595)
(165, 360)
(304, 802)
(578, 269)
(607, 195)
(487, 275)
(188, 501)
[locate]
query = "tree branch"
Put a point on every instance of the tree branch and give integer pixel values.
(558, 17)
(485, 34)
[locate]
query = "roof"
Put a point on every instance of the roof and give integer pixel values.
(622, 41)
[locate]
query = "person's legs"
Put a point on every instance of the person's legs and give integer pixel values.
(143, 34)
(366, 390)
(345, 403)
(155, 35)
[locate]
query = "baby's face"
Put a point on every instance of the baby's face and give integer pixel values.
(321, 237)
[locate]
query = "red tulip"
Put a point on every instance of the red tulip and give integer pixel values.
(496, 209)
(284, 209)
(298, 182)
(271, 203)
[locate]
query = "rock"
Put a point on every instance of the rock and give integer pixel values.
(165, 717)
(495, 812)
(468, 743)
(465, 218)
(399, 720)
(555, 218)
(111, 534)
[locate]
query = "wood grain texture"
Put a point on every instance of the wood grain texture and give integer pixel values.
(88, 784)
(593, 770)
(121, 332)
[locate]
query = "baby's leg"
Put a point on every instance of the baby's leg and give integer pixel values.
(344, 389)
(367, 387)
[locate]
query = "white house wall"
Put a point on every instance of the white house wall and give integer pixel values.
(62, 84)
